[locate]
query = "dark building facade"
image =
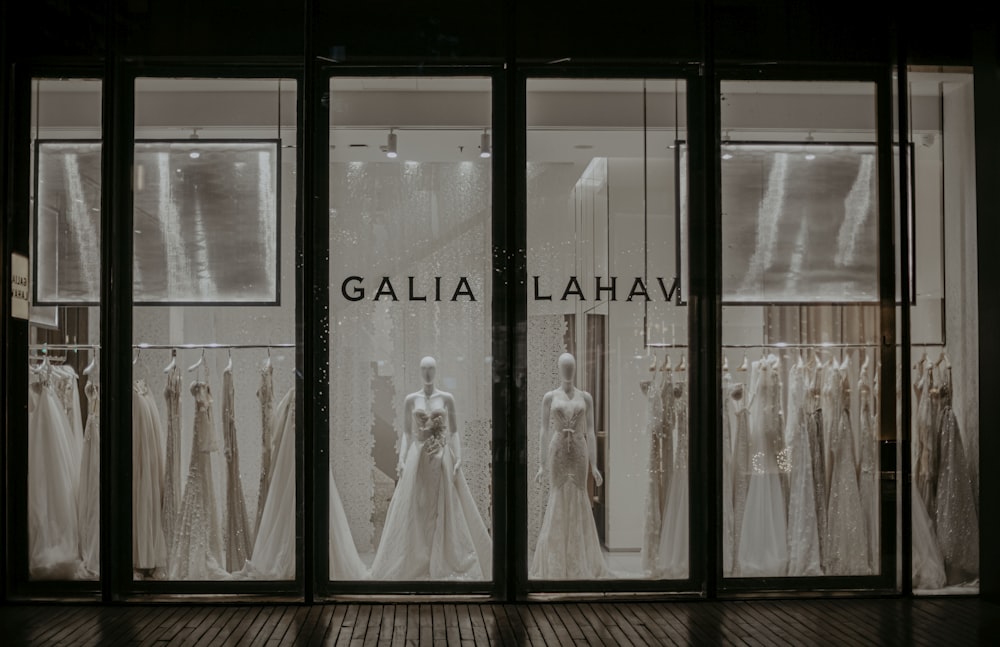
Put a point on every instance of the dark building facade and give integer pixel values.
(323, 299)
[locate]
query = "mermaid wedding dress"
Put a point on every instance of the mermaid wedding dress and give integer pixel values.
(89, 495)
(672, 561)
(568, 546)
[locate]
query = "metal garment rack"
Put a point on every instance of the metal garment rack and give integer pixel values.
(158, 346)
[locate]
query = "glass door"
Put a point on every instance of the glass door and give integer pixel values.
(412, 371)
(808, 442)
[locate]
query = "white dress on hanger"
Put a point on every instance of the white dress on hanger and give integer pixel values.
(196, 548)
(89, 494)
(728, 480)
(172, 470)
(928, 564)
(433, 529)
(672, 560)
(654, 486)
(763, 547)
(803, 529)
(237, 529)
(741, 467)
(847, 543)
(149, 546)
(53, 539)
(274, 547)
(265, 394)
(868, 472)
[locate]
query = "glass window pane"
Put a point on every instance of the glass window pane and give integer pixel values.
(411, 329)
(801, 433)
(63, 292)
(944, 333)
(214, 330)
(607, 330)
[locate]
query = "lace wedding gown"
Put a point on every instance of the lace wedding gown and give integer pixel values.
(149, 545)
(803, 529)
(672, 561)
(868, 472)
(265, 394)
(728, 533)
(847, 544)
(172, 471)
(52, 521)
(763, 549)
(433, 529)
(928, 564)
(568, 546)
(89, 494)
(741, 467)
(814, 434)
(196, 547)
(237, 529)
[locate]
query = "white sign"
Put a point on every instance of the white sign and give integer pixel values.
(19, 289)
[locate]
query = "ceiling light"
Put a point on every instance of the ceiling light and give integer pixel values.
(810, 156)
(194, 135)
(390, 145)
(727, 156)
(485, 148)
(194, 155)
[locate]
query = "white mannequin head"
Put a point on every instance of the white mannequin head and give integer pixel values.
(428, 368)
(567, 367)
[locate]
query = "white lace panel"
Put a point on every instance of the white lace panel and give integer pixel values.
(546, 342)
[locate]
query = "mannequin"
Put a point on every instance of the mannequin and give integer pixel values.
(433, 529)
(568, 546)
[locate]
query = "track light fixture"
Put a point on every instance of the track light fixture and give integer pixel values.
(485, 147)
(390, 145)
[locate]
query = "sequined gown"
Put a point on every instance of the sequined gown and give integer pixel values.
(237, 529)
(172, 470)
(89, 494)
(956, 518)
(803, 528)
(763, 549)
(868, 473)
(568, 546)
(196, 548)
(672, 561)
(847, 543)
(149, 544)
(433, 529)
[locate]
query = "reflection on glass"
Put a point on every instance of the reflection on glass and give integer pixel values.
(63, 365)
(607, 359)
(213, 397)
(944, 333)
(410, 334)
(800, 379)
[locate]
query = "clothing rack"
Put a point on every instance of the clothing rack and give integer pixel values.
(207, 346)
(47, 347)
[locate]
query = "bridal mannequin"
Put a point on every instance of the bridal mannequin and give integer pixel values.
(568, 546)
(433, 529)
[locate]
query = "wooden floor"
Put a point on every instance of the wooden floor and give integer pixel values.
(937, 621)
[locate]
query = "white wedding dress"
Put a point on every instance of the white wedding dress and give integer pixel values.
(803, 528)
(273, 556)
(149, 545)
(237, 530)
(89, 494)
(568, 546)
(265, 394)
(741, 467)
(196, 547)
(763, 549)
(172, 455)
(52, 516)
(672, 560)
(655, 499)
(433, 529)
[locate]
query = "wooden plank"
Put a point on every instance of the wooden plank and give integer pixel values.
(452, 632)
(328, 634)
(374, 625)
(347, 625)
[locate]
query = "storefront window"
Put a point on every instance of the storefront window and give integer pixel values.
(59, 286)
(214, 330)
(411, 329)
(607, 425)
(944, 334)
(800, 281)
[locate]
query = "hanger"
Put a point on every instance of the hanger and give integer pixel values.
(682, 365)
(666, 363)
(229, 366)
(93, 363)
(943, 360)
(725, 364)
(173, 361)
(744, 365)
(267, 361)
(199, 363)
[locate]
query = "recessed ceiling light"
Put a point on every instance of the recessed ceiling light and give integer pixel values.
(583, 147)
